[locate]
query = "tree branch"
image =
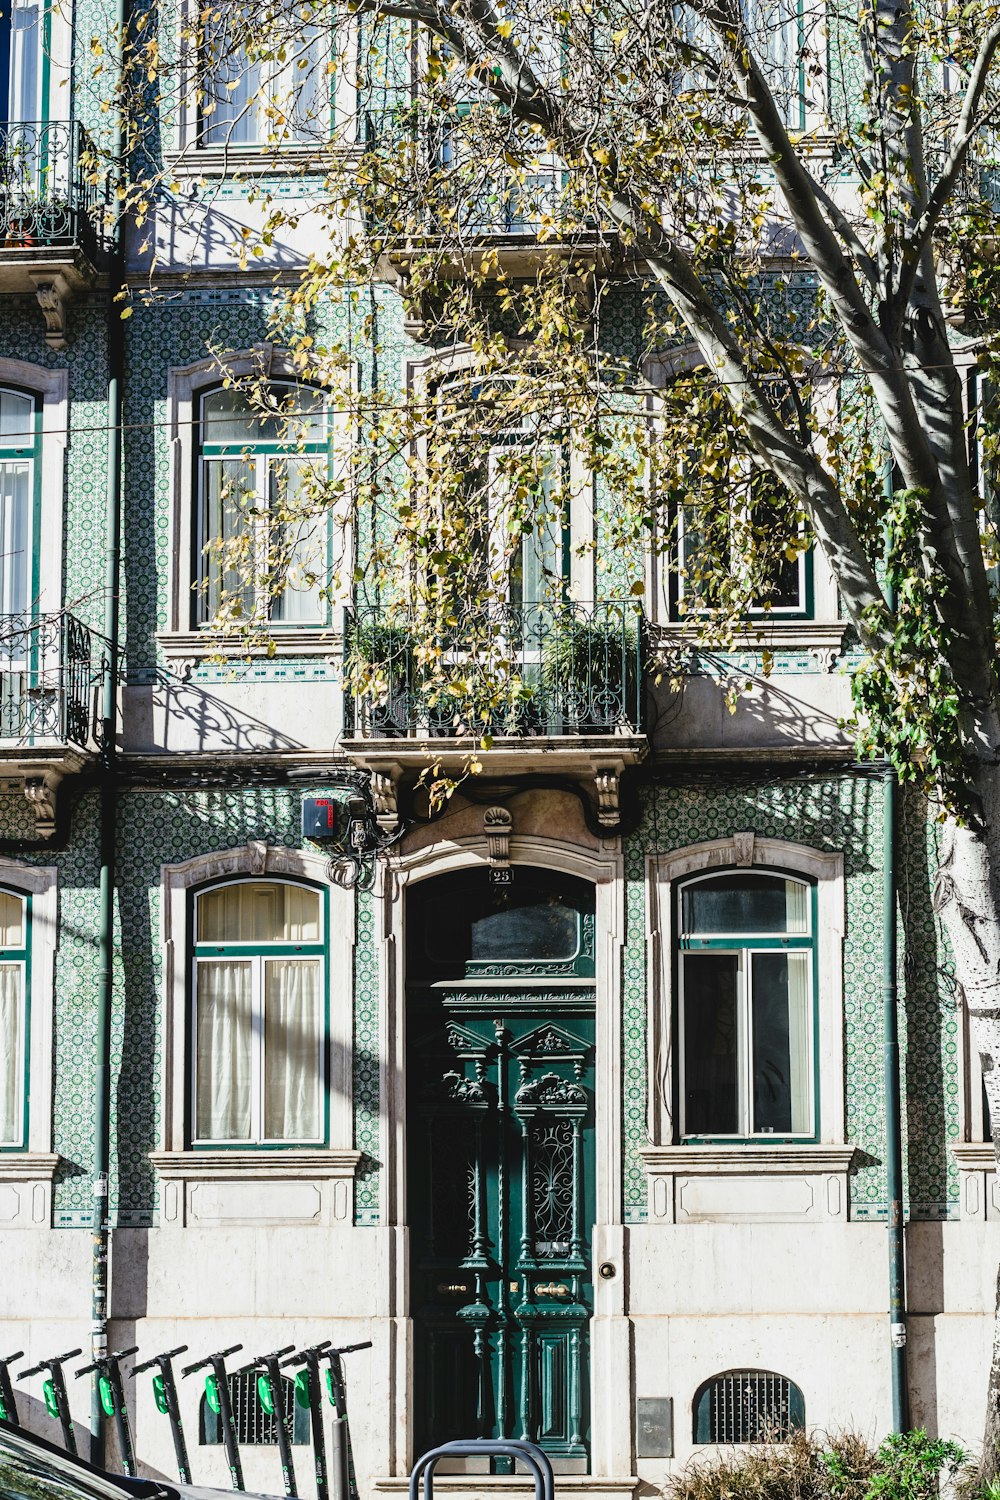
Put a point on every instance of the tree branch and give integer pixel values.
(968, 127)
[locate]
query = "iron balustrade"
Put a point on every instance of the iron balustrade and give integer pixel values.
(49, 669)
(549, 669)
(50, 189)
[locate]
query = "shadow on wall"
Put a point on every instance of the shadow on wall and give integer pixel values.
(173, 715)
(774, 714)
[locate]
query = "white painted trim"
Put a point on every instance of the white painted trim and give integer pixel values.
(264, 862)
(52, 389)
(185, 385)
(604, 869)
(41, 883)
(746, 851)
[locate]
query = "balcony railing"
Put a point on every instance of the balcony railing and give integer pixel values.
(538, 670)
(49, 666)
(50, 197)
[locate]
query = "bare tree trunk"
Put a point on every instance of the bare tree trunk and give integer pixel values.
(967, 897)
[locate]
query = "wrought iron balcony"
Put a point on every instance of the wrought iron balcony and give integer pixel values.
(49, 667)
(538, 671)
(50, 215)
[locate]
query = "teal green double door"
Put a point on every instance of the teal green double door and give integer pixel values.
(500, 1190)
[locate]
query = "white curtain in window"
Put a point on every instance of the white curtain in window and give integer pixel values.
(796, 906)
(11, 1064)
(292, 1051)
(799, 1042)
(224, 1024)
(25, 57)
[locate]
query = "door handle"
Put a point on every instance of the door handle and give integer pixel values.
(454, 1288)
(552, 1289)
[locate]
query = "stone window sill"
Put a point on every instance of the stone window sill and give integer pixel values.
(747, 1184)
(220, 1189)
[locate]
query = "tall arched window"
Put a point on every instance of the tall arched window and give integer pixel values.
(746, 960)
(262, 531)
(260, 1016)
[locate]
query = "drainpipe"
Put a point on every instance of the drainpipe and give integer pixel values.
(109, 789)
(893, 1107)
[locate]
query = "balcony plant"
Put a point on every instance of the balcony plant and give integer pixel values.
(590, 671)
(379, 674)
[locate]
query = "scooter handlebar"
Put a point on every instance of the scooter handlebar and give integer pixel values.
(101, 1364)
(203, 1364)
(158, 1359)
(8, 1359)
(350, 1348)
(299, 1358)
(50, 1364)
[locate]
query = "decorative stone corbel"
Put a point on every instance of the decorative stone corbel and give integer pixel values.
(498, 825)
(183, 666)
(257, 856)
(41, 794)
(824, 658)
(743, 844)
(385, 797)
(53, 294)
(608, 787)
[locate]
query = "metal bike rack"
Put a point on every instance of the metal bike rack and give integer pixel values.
(514, 1448)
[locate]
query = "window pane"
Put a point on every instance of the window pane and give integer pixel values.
(223, 1051)
(229, 417)
(11, 1061)
(25, 55)
(15, 548)
(745, 903)
(232, 85)
(297, 541)
(228, 494)
(781, 1043)
(292, 1050)
(254, 911)
(711, 1047)
(16, 418)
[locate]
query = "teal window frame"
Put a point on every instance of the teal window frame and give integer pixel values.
(804, 609)
(746, 944)
(21, 956)
(30, 454)
(260, 451)
(206, 951)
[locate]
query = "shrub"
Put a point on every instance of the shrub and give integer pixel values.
(906, 1466)
(803, 1468)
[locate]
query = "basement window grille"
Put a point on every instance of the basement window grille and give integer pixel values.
(253, 1425)
(747, 1406)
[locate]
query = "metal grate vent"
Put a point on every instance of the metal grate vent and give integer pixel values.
(747, 1406)
(253, 1425)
